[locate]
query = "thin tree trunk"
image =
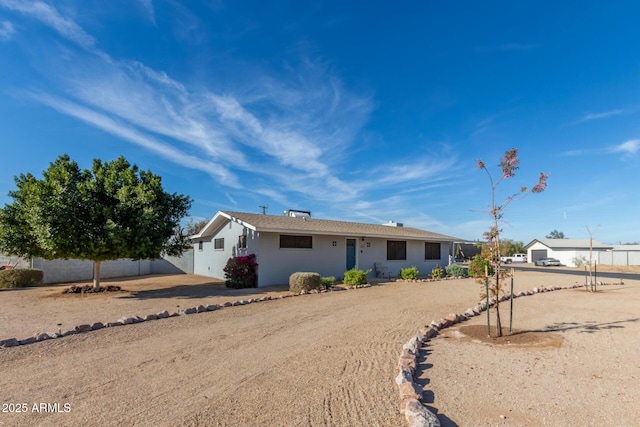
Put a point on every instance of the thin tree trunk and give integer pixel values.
(498, 322)
(96, 275)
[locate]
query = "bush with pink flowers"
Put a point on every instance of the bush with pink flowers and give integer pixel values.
(240, 272)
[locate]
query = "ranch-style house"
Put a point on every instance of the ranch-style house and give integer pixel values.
(296, 242)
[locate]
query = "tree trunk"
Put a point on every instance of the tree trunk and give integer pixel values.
(96, 275)
(498, 322)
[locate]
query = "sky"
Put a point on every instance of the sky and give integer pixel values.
(357, 111)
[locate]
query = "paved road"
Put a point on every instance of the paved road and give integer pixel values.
(580, 274)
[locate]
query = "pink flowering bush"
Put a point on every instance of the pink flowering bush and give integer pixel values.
(240, 272)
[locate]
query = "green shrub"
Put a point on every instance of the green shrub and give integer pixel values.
(304, 282)
(437, 272)
(455, 270)
(410, 273)
(20, 277)
(240, 272)
(477, 265)
(327, 282)
(355, 277)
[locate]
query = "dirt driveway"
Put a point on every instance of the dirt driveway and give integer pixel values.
(313, 360)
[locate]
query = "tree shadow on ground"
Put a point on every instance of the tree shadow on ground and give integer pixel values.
(585, 327)
(204, 290)
(428, 396)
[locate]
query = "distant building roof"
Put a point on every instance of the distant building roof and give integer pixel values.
(288, 224)
(570, 244)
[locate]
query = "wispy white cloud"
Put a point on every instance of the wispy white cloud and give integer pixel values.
(597, 116)
(629, 148)
(50, 16)
(147, 7)
(122, 130)
(6, 30)
(280, 136)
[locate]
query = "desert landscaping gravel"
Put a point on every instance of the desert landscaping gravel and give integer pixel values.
(318, 360)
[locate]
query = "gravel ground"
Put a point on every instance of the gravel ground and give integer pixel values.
(317, 360)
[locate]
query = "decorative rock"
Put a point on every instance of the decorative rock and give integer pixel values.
(70, 332)
(535, 290)
(97, 325)
(470, 313)
(29, 340)
(436, 324)
(522, 293)
(186, 311)
(151, 317)
(201, 308)
(409, 390)
(452, 318)
(405, 376)
(114, 324)
(174, 314)
(163, 314)
(9, 342)
(212, 307)
(43, 336)
(432, 332)
(227, 304)
(444, 323)
(83, 328)
(417, 415)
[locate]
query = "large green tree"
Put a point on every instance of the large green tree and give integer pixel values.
(109, 212)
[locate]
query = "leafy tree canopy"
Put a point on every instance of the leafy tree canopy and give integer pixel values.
(555, 234)
(112, 211)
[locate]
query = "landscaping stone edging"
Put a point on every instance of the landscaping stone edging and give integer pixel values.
(133, 319)
(410, 392)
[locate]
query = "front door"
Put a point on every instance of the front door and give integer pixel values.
(351, 253)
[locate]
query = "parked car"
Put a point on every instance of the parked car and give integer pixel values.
(546, 262)
(514, 258)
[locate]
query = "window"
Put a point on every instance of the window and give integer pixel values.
(396, 250)
(218, 244)
(431, 250)
(200, 245)
(295, 242)
(242, 242)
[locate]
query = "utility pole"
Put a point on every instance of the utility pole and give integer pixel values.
(264, 209)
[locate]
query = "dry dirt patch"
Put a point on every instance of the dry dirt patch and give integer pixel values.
(321, 360)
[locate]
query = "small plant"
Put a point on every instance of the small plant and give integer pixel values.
(579, 261)
(456, 270)
(355, 277)
(20, 277)
(327, 282)
(410, 273)
(477, 266)
(437, 272)
(304, 281)
(240, 272)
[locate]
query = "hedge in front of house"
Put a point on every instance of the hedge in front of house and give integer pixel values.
(304, 281)
(20, 277)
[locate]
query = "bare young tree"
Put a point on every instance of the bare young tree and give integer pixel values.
(509, 163)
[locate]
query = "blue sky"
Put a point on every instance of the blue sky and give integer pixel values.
(361, 111)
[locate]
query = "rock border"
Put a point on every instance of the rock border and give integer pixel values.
(410, 392)
(133, 319)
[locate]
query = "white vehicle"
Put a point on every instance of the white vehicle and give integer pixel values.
(514, 258)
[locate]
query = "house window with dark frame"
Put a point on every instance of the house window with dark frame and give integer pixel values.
(218, 244)
(295, 242)
(431, 250)
(242, 242)
(200, 245)
(396, 250)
